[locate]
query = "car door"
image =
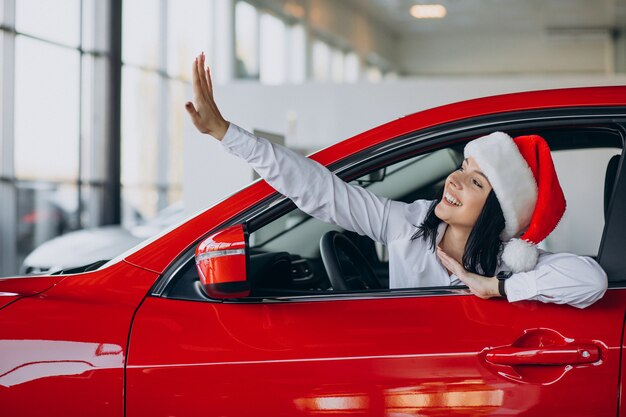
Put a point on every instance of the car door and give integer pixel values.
(415, 354)
(436, 351)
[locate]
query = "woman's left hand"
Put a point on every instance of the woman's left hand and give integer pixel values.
(479, 285)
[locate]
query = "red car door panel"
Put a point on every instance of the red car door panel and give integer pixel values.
(426, 355)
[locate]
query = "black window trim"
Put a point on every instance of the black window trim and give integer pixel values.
(383, 154)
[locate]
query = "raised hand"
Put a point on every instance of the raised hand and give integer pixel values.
(205, 115)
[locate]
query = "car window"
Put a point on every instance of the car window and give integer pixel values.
(581, 173)
(295, 237)
(403, 181)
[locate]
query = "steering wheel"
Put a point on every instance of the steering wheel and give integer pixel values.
(332, 246)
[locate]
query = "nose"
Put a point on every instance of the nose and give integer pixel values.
(455, 181)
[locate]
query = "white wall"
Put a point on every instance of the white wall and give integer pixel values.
(506, 53)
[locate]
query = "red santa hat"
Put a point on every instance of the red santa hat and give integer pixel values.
(522, 175)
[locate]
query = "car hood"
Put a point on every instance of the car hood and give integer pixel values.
(12, 289)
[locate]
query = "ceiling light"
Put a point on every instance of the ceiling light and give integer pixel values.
(428, 11)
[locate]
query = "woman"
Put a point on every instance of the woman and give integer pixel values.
(505, 191)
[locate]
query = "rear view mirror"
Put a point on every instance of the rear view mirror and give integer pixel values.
(221, 262)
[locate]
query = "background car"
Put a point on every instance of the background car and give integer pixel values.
(154, 332)
(84, 247)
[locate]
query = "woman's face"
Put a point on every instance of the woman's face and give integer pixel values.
(464, 196)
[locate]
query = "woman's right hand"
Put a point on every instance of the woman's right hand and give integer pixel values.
(205, 115)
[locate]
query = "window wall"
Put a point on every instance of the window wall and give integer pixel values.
(268, 47)
(91, 121)
(54, 61)
(160, 40)
(279, 49)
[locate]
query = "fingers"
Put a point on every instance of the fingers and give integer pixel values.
(197, 87)
(448, 261)
(202, 76)
(195, 116)
(208, 77)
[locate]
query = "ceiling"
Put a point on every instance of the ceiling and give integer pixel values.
(570, 16)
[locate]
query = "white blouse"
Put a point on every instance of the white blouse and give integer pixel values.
(561, 278)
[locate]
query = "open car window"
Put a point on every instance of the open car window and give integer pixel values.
(296, 236)
(289, 246)
(408, 180)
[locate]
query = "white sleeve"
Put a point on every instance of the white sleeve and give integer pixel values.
(312, 187)
(561, 278)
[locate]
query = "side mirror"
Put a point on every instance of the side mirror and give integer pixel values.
(221, 262)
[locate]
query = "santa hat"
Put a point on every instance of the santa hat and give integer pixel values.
(524, 180)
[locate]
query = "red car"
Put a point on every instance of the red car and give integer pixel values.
(232, 314)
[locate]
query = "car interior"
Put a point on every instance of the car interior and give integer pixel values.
(285, 250)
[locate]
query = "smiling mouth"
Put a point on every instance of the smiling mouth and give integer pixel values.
(448, 197)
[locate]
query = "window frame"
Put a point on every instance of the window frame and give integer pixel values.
(401, 148)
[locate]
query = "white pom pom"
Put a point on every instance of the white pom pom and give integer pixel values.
(519, 255)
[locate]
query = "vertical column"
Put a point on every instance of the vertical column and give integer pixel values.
(8, 192)
(94, 108)
(112, 212)
(308, 56)
(163, 130)
(224, 58)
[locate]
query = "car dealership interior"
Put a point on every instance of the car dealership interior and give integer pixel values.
(96, 145)
(312, 208)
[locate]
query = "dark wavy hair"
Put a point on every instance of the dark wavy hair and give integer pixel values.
(483, 244)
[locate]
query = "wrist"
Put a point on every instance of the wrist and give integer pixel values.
(495, 287)
(220, 131)
(501, 277)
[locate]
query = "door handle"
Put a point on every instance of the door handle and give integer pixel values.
(548, 355)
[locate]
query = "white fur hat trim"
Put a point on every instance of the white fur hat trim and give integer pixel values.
(510, 176)
(519, 255)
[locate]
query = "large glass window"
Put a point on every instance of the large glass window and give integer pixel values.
(352, 67)
(273, 50)
(337, 65)
(188, 33)
(57, 21)
(297, 53)
(46, 111)
(178, 94)
(246, 40)
(321, 61)
(140, 118)
(54, 93)
(154, 90)
(140, 29)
